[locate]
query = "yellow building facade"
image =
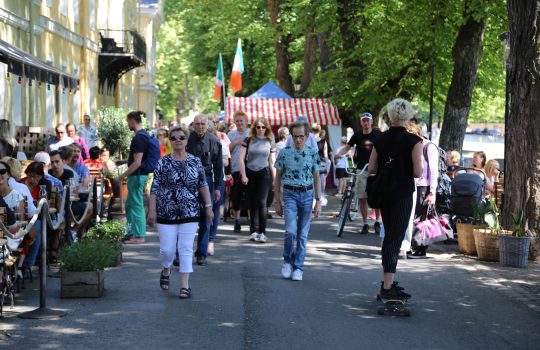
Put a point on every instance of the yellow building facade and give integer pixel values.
(96, 53)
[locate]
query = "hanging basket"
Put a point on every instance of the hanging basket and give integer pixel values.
(487, 244)
(514, 251)
(466, 239)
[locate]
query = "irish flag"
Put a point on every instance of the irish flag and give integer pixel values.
(219, 79)
(238, 68)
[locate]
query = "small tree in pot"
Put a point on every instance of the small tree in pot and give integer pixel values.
(514, 248)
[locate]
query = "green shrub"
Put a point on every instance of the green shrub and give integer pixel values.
(87, 255)
(111, 231)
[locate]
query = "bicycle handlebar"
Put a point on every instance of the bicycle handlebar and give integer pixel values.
(354, 172)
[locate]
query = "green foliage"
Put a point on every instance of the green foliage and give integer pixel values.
(479, 210)
(395, 44)
(112, 128)
(518, 221)
(111, 231)
(492, 218)
(87, 255)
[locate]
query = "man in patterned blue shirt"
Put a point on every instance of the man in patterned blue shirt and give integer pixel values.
(297, 169)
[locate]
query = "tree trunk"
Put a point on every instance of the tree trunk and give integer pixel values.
(466, 54)
(325, 51)
(310, 59)
(281, 44)
(522, 142)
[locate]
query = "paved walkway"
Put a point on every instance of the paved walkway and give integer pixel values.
(240, 301)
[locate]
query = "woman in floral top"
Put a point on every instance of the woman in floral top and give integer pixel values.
(174, 204)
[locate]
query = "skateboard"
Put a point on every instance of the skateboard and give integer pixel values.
(396, 307)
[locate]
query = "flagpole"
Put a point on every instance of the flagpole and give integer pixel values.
(223, 86)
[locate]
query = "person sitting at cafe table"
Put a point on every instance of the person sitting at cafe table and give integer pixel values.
(80, 169)
(35, 179)
(58, 160)
(45, 159)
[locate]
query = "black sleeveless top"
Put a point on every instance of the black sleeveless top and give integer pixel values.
(396, 145)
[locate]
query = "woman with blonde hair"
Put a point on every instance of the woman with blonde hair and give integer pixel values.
(400, 154)
(492, 175)
(257, 157)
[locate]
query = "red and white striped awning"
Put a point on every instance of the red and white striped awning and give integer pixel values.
(283, 111)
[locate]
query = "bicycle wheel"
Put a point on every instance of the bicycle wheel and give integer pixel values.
(354, 213)
(343, 214)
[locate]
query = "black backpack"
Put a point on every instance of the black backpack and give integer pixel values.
(466, 190)
(443, 181)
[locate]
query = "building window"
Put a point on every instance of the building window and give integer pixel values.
(76, 11)
(49, 3)
(63, 7)
(92, 6)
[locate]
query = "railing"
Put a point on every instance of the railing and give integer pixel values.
(118, 42)
(63, 216)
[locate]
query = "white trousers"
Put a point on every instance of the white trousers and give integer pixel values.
(177, 236)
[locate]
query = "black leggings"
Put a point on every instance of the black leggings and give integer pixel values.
(258, 188)
(237, 191)
(396, 213)
(421, 209)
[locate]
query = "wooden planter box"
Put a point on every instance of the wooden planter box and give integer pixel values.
(82, 284)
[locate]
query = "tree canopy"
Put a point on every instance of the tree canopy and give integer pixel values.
(359, 54)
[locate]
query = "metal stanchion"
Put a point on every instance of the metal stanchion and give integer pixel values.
(43, 313)
(94, 200)
(67, 217)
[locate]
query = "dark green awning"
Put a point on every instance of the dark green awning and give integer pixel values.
(28, 66)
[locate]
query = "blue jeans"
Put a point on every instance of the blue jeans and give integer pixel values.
(205, 224)
(36, 246)
(297, 211)
(215, 208)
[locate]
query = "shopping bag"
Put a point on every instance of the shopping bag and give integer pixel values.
(428, 229)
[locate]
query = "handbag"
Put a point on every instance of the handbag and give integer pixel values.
(428, 229)
(379, 184)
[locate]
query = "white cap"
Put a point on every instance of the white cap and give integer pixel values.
(43, 157)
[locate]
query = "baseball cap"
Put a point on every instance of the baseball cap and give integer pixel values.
(302, 118)
(43, 157)
(366, 116)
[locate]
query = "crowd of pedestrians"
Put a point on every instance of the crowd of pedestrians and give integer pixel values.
(207, 170)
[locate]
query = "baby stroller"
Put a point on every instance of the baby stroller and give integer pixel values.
(467, 192)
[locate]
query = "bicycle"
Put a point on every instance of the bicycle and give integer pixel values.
(345, 210)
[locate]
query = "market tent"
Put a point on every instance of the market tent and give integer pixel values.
(283, 111)
(270, 90)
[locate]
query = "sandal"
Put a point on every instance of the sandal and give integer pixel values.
(185, 293)
(164, 281)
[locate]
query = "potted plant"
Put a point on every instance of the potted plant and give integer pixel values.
(112, 128)
(112, 232)
(487, 239)
(81, 267)
(465, 230)
(514, 248)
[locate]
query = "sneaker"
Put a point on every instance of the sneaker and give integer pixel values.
(297, 275)
(324, 201)
(377, 227)
(286, 270)
(237, 228)
(127, 237)
(417, 255)
(394, 292)
(393, 284)
(201, 260)
(365, 229)
(254, 236)
(261, 238)
(210, 248)
(339, 195)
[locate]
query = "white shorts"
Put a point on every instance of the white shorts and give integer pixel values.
(360, 186)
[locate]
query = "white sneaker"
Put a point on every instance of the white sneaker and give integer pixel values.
(286, 271)
(261, 238)
(253, 236)
(210, 248)
(297, 275)
(324, 201)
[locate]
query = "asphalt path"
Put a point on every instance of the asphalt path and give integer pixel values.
(240, 301)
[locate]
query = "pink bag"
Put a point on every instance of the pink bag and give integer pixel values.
(429, 230)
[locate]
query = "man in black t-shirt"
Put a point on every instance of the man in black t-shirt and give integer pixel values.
(363, 140)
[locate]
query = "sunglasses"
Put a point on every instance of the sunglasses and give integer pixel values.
(177, 138)
(259, 127)
(3, 171)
